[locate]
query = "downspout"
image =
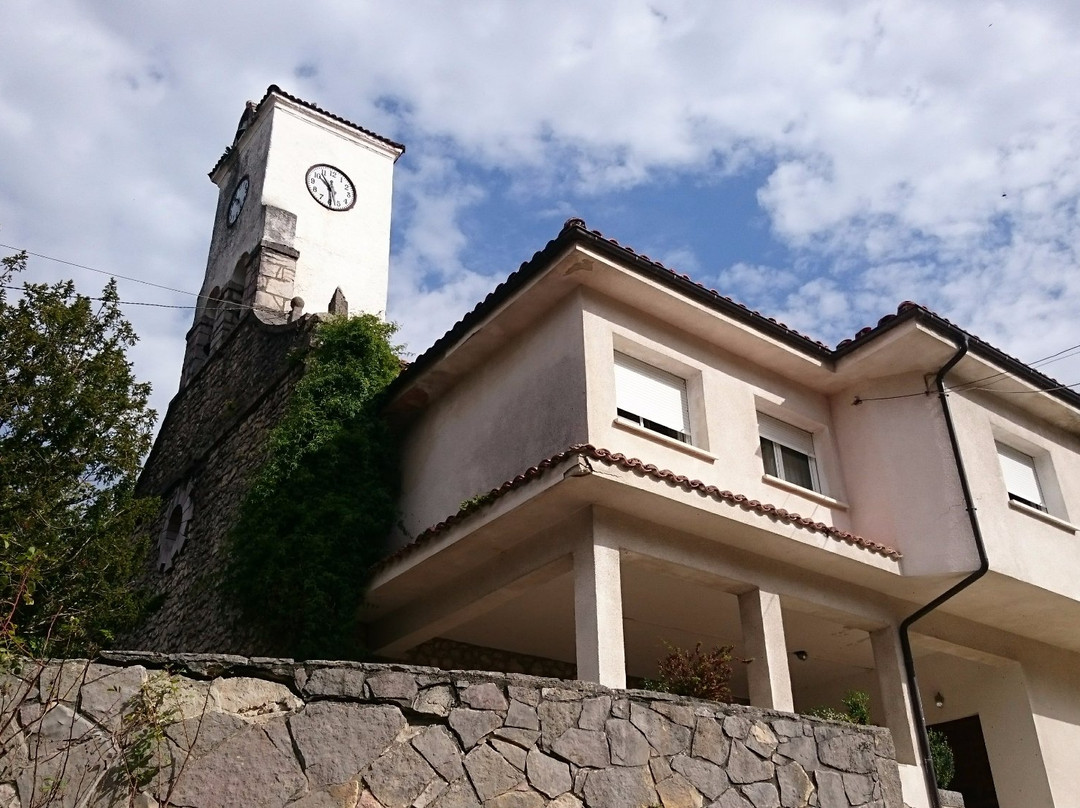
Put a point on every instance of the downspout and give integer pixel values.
(984, 565)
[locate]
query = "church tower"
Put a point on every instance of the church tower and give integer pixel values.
(302, 226)
(303, 211)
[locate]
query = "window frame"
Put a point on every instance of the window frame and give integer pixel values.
(781, 435)
(1022, 465)
(649, 375)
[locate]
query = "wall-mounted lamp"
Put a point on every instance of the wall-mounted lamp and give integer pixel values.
(939, 699)
(802, 656)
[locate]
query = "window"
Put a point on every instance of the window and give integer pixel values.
(651, 398)
(788, 453)
(1021, 480)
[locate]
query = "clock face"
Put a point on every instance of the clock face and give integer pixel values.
(236, 204)
(330, 187)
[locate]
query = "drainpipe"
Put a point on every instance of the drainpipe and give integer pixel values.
(984, 565)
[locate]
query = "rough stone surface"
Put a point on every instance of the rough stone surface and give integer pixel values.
(472, 725)
(548, 775)
(490, 772)
(363, 735)
(708, 778)
(630, 787)
(583, 747)
(336, 741)
(795, 786)
(665, 737)
(627, 743)
(746, 767)
(399, 777)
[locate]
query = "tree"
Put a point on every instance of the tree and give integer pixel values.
(74, 426)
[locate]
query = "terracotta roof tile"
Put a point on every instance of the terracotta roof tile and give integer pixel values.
(273, 89)
(633, 464)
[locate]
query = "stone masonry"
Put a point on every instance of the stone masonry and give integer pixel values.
(212, 440)
(233, 731)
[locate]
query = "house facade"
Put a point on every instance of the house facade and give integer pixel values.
(604, 459)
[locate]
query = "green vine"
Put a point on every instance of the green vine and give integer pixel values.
(319, 510)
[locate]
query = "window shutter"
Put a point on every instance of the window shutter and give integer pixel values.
(1020, 477)
(786, 435)
(651, 393)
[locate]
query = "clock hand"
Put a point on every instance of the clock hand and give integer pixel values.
(330, 189)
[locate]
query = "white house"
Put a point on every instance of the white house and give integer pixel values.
(604, 456)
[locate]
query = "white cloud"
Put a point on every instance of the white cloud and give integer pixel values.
(921, 149)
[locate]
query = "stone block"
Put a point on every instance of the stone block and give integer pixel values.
(522, 715)
(343, 795)
(337, 740)
(548, 775)
(335, 682)
(555, 718)
(583, 747)
(108, 690)
(830, 787)
(859, 788)
(795, 786)
(732, 798)
(472, 725)
(526, 695)
(679, 713)
(398, 777)
(761, 740)
(737, 726)
(525, 738)
(594, 712)
(517, 799)
(440, 749)
(512, 752)
(491, 773)
(666, 737)
(486, 696)
(252, 698)
(710, 742)
(459, 794)
(762, 795)
(677, 792)
(620, 787)
(394, 685)
(745, 766)
(245, 764)
(435, 700)
(802, 750)
(845, 749)
(706, 777)
(627, 743)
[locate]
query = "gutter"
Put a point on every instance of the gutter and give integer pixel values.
(984, 565)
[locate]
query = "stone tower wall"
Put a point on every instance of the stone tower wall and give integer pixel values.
(212, 440)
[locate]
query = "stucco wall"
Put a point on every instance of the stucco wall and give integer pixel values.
(725, 394)
(526, 403)
(230, 731)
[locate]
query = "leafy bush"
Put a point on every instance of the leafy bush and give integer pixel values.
(696, 674)
(941, 755)
(856, 709)
(319, 510)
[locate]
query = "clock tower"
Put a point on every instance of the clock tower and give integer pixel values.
(303, 211)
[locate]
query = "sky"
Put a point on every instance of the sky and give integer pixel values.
(818, 161)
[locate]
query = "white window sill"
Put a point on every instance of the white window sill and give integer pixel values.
(686, 448)
(1050, 520)
(821, 499)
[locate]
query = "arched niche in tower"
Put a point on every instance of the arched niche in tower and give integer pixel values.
(175, 530)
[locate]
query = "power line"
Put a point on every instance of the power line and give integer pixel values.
(118, 302)
(101, 271)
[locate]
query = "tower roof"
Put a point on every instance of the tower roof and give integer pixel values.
(252, 111)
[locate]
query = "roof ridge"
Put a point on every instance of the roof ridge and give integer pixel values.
(274, 89)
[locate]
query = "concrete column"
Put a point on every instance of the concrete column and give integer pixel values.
(598, 614)
(763, 642)
(895, 704)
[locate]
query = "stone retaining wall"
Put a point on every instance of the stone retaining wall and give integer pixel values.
(231, 731)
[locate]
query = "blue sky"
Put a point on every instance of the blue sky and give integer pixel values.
(820, 161)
